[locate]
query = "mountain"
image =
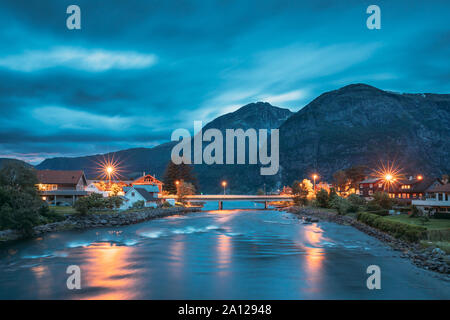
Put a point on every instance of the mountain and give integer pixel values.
(4, 161)
(259, 115)
(360, 124)
(135, 161)
(241, 178)
(354, 125)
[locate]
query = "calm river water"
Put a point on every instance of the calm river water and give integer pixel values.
(229, 254)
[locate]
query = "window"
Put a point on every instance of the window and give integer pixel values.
(132, 194)
(371, 186)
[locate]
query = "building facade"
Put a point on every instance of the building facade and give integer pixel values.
(61, 187)
(436, 200)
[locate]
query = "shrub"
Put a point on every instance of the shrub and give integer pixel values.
(382, 212)
(113, 202)
(372, 206)
(397, 229)
(93, 201)
(322, 198)
(166, 204)
(441, 215)
(356, 202)
(415, 212)
(340, 204)
(383, 200)
(299, 200)
(138, 204)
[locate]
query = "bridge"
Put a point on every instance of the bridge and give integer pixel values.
(221, 198)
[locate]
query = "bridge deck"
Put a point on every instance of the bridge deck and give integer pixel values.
(218, 197)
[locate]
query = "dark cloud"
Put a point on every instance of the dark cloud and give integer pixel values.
(139, 69)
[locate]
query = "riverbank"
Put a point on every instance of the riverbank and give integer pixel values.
(428, 258)
(96, 220)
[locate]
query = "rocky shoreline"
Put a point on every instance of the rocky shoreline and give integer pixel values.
(433, 259)
(97, 220)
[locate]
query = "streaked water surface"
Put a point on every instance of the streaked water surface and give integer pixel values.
(229, 254)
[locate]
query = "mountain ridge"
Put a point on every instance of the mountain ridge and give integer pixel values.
(352, 125)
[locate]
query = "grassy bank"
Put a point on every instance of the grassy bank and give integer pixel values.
(431, 224)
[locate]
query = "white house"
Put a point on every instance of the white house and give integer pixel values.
(146, 193)
(437, 200)
(94, 188)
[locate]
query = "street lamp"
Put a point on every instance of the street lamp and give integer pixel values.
(177, 183)
(315, 176)
(224, 185)
(109, 172)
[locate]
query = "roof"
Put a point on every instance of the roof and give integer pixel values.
(60, 176)
(441, 188)
(147, 179)
(370, 180)
(149, 187)
(147, 196)
(416, 185)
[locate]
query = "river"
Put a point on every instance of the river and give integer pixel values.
(228, 254)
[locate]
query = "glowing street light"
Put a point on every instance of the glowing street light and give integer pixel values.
(389, 174)
(109, 171)
(177, 184)
(109, 168)
(224, 185)
(315, 176)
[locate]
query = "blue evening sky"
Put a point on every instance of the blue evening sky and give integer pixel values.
(139, 69)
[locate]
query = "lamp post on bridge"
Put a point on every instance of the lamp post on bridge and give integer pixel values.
(224, 185)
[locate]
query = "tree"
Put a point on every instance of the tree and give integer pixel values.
(301, 191)
(185, 189)
(20, 203)
(175, 173)
(115, 189)
(345, 180)
(322, 198)
(308, 187)
(355, 175)
(340, 181)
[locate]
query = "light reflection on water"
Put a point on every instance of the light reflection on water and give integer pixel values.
(109, 266)
(228, 254)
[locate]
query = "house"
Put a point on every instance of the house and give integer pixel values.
(105, 189)
(369, 186)
(436, 200)
(146, 193)
(148, 180)
(61, 186)
(286, 190)
(95, 187)
(406, 190)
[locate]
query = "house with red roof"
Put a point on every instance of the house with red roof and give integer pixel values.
(61, 187)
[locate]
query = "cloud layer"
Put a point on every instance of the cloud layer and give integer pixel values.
(139, 69)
